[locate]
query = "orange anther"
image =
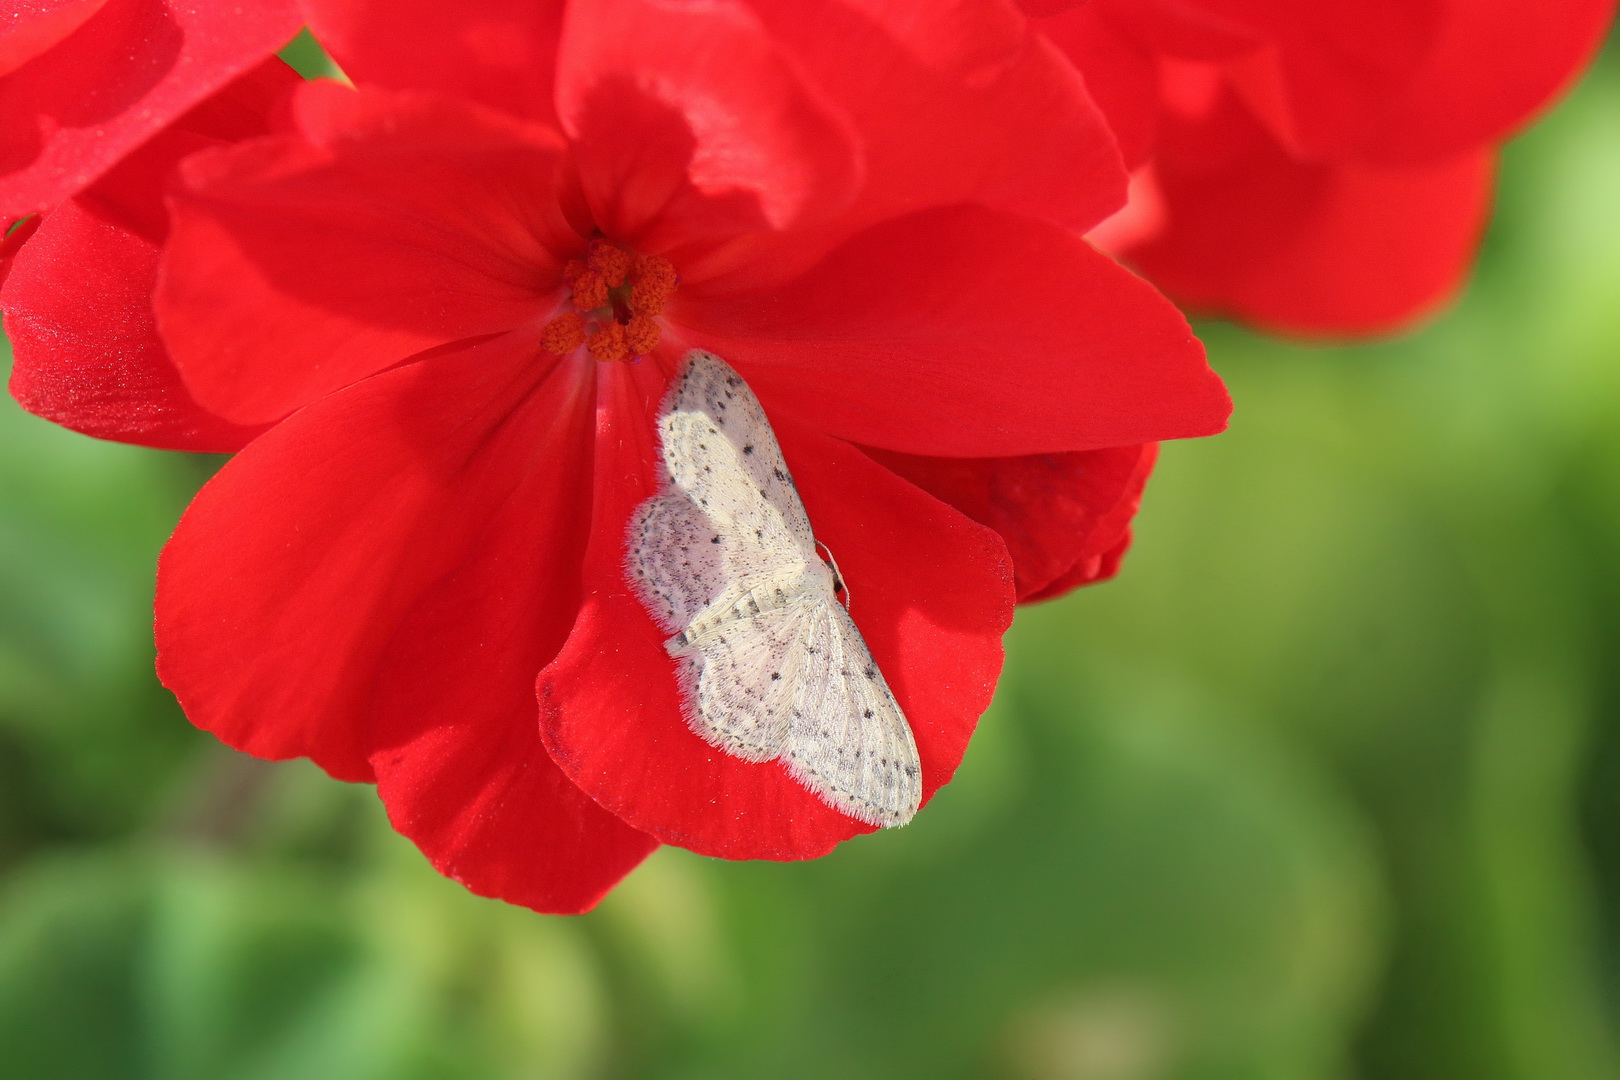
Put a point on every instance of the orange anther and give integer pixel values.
(608, 343)
(563, 334)
(611, 262)
(641, 334)
(590, 291)
(653, 280)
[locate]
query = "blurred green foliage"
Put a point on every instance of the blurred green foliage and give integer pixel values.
(1327, 785)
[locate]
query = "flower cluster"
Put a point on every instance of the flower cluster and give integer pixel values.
(434, 310)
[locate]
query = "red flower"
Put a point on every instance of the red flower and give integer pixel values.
(84, 82)
(872, 212)
(1316, 169)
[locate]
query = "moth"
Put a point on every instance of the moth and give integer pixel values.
(770, 664)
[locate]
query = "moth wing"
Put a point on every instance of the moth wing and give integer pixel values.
(847, 739)
(674, 560)
(720, 449)
(738, 683)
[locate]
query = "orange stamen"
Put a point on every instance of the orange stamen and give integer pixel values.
(641, 334)
(590, 291)
(611, 262)
(563, 334)
(608, 343)
(652, 282)
(616, 296)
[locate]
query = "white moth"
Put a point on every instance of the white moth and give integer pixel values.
(771, 665)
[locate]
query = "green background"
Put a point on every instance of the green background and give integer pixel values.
(1327, 785)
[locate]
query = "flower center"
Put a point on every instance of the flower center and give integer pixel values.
(617, 298)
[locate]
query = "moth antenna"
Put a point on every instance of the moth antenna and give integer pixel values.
(839, 584)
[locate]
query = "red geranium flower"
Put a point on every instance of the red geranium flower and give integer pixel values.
(1316, 169)
(84, 82)
(455, 296)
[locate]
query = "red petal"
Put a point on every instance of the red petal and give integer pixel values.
(956, 103)
(1087, 572)
(1314, 249)
(71, 112)
(79, 313)
(1324, 74)
(1104, 564)
(690, 122)
(459, 761)
(86, 353)
(1394, 81)
(132, 193)
(1494, 65)
(932, 594)
(952, 104)
(380, 577)
(1044, 8)
(500, 53)
(470, 783)
(291, 570)
(1120, 74)
(396, 224)
(965, 333)
(32, 27)
(17, 235)
(1060, 515)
